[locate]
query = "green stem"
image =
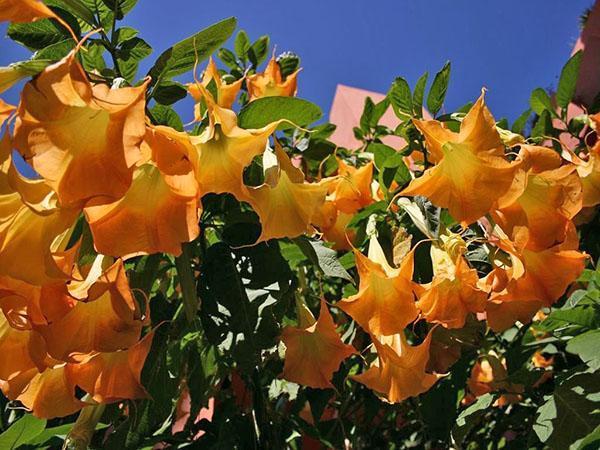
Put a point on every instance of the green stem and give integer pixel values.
(81, 434)
(191, 302)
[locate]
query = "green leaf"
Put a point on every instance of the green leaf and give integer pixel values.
(129, 55)
(437, 93)
(366, 118)
(42, 33)
(124, 34)
(258, 51)
(519, 124)
(121, 7)
(568, 80)
(540, 101)
(570, 413)
(591, 441)
(471, 416)
(587, 347)
(324, 257)
(181, 57)
(543, 126)
(22, 431)
(419, 94)
(288, 62)
(381, 153)
(241, 45)
(401, 98)
(79, 9)
(56, 51)
(264, 111)
(165, 115)
(228, 58)
(169, 92)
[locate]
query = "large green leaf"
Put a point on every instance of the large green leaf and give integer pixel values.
(263, 111)
(324, 257)
(471, 416)
(540, 101)
(568, 80)
(42, 33)
(401, 98)
(587, 346)
(437, 93)
(571, 413)
(21, 432)
(181, 57)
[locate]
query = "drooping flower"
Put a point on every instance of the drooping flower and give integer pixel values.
(471, 172)
(314, 348)
(270, 83)
(454, 291)
(489, 375)
(543, 199)
(33, 227)
(22, 11)
(160, 210)
(106, 321)
(114, 376)
(83, 139)
(49, 393)
(226, 93)
(224, 150)
(400, 369)
(535, 278)
(22, 350)
(352, 190)
(385, 303)
(286, 204)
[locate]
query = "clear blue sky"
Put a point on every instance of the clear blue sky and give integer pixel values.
(510, 46)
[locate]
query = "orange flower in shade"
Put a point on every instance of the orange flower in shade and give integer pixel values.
(470, 172)
(334, 228)
(22, 350)
(385, 303)
(22, 11)
(352, 190)
(47, 394)
(160, 210)
(270, 83)
(108, 319)
(399, 371)
(543, 200)
(82, 139)
(110, 377)
(349, 192)
(5, 111)
(489, 375)
(224, 150)
(226, 93)
(286, 204)
(27, 306)
(454, 291)
(314, 348)
(33, 228)
(535, 278)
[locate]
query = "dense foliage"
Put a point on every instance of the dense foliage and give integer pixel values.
(230, 278)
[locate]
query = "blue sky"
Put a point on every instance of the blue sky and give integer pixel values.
(510, 47)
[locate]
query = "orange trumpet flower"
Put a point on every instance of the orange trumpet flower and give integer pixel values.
(385, 303)
(314, 348)
(399, 371)
(82, 138)
(470, 172)
(160, 210)
(270, 83)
